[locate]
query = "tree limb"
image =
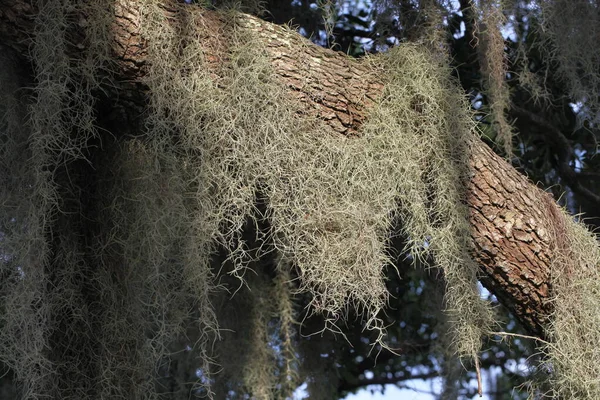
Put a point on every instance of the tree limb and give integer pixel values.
(512, 220)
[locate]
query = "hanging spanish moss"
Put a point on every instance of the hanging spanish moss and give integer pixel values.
(185, 188)
(330, 215)
(169, 262)
(570, 32)
(571, 354)
(44, 313)
(492, 59)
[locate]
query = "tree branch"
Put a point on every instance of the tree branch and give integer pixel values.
(511, 219)
(563, 149)
(381, 380)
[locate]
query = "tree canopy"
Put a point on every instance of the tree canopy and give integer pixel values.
(199, 202)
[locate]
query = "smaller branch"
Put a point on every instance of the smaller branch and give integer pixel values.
(519, 336)
(384, 380)
(349, 32)
(583, 191)
(588, 174)
(405, 348)
(564, 151)
(478, 372)
(560, 141)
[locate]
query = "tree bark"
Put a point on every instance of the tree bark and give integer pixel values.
(513, 221)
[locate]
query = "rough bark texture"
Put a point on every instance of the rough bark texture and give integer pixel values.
(513, 221)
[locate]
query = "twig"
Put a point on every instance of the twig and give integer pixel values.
(519, 336)
(478, 372)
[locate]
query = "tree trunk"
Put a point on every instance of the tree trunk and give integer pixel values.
(513, 221)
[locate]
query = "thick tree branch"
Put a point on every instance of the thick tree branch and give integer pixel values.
(512, 220)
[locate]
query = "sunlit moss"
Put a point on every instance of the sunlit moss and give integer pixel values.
(571, 362)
